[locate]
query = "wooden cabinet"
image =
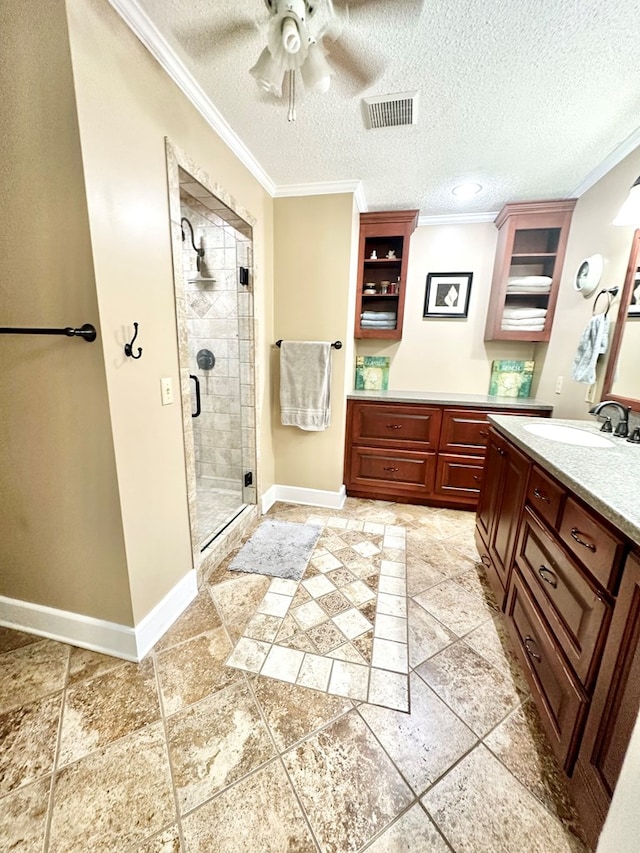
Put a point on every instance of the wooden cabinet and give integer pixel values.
(530, 253)
(499, 509)
(573, 612)
(614, 708)
(420, 453)
(383, 257)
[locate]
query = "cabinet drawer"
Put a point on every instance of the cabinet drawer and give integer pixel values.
(459, 476)
(559, 696)
(545, 496)
(464, 431)
(392, 471)
(597, 547)
(571, 602)
(414, 427)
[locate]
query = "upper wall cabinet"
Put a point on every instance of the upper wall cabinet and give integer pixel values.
(383, 258)
(526, 276)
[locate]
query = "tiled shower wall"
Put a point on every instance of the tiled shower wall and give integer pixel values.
(220, 319)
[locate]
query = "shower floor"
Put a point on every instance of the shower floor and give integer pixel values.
(216, 505)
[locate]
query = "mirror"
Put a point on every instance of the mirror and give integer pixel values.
(622, 379)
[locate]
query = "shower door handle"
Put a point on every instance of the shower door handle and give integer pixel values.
(196, 414)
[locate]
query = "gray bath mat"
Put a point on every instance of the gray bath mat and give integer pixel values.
(278, 548)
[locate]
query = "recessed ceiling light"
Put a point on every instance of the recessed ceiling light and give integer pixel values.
(467, 190)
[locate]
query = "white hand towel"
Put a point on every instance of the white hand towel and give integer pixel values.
(523, 321)
(533, 328)
(523, 313)
(593, 342)
(530, 279)
(305, 384)
(378, 315)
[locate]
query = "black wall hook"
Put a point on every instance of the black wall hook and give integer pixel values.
(128, 348)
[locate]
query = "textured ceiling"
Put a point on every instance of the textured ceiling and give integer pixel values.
(526, 98)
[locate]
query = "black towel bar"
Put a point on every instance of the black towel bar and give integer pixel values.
(87, 332)
(335, 344)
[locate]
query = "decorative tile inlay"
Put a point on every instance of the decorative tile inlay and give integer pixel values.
(319, 632)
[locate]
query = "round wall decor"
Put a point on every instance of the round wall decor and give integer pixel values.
(588, 275)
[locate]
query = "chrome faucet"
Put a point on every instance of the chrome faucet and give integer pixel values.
(622, 427)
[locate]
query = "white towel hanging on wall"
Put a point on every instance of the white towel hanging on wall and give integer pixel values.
(305, 384)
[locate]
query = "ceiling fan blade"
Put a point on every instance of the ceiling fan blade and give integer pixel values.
(360, 4)
(201, 42)
(362, 74)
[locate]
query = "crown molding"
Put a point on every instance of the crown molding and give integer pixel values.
(617, 156)
(361, 199)
(319, 188)
(142, 26)
(457, 218)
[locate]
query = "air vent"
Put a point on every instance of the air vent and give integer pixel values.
(391, 110)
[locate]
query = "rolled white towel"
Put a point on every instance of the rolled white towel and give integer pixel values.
(523, 321)
(523, 313)
(510, 327)
(378, 315)
(529, 279)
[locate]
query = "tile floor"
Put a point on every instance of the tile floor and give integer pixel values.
(184, 753)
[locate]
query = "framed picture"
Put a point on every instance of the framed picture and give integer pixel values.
(634, 304)
(447, 294)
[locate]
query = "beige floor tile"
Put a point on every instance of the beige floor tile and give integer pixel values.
(249, 654)
(456, 608)
(167, 841)
(479, 805)
(23, 817)
(84, 663)
(299, 641)
(390, 655)
(347, 652)
(421, 575)
(391, 628)
(262, 627)
(411, 833)
(31, 672)
(194, 669)
(334, 603)
(427, 636)
(101, 710)
(318, 585)
(397, 543)
(10, 639)
(392, 586)
(215, 743)
(358, 592)
(366, 549)
(521, 744)
(479, 693)
(237, 600)
(390, 689)
(258, 815)
(349, 679)
(293, 712)
(492, 641)
(393, 568)
(113, 798)
(28, 737)
(352, 623)
(274, 605)
(282, 663)
(392, 605)
(283, 586)
(347, 785)
(200, 616)
(315, 671)
(340, 577)
(424, 743)
(326, 562)
(309, 615)
(475, 581)
(326, 637)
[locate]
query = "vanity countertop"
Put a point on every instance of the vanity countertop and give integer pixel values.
(450, 399)
(606, 478)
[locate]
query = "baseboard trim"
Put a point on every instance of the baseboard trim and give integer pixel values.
(306, 497)
(98, 635)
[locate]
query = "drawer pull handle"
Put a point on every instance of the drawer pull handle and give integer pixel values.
(500, 451)
(538, 494)
(575, 534)
(394, 426)
(548, 576)
(484, 433)
(477, 478)
(485, 560)
(391, 469)
(531, 652)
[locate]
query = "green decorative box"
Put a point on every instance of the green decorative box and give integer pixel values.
(372, 373)
(511, 378)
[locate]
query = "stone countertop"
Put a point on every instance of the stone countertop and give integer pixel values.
(450, 399)
(606, 478)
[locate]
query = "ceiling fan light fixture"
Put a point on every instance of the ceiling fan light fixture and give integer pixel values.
(291, 41)
(268, 73)
(467, 190)
(316, 71)
(630, 211)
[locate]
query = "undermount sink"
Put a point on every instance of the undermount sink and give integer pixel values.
(568, 435)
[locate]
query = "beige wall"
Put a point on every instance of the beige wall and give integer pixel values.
(591, 232)
(126, 107)
(446, 355)
(315, 240)
(60, 526)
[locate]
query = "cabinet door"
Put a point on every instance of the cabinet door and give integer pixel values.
(377, 472)
(464, 431)
(395, 426)
(509, 503)
(458, 478)
(490, 489)
(615, 706)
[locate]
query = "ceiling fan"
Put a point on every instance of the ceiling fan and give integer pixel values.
(302, 38)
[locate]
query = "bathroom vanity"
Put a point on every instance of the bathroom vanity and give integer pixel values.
(421, 447)
(558, 531)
